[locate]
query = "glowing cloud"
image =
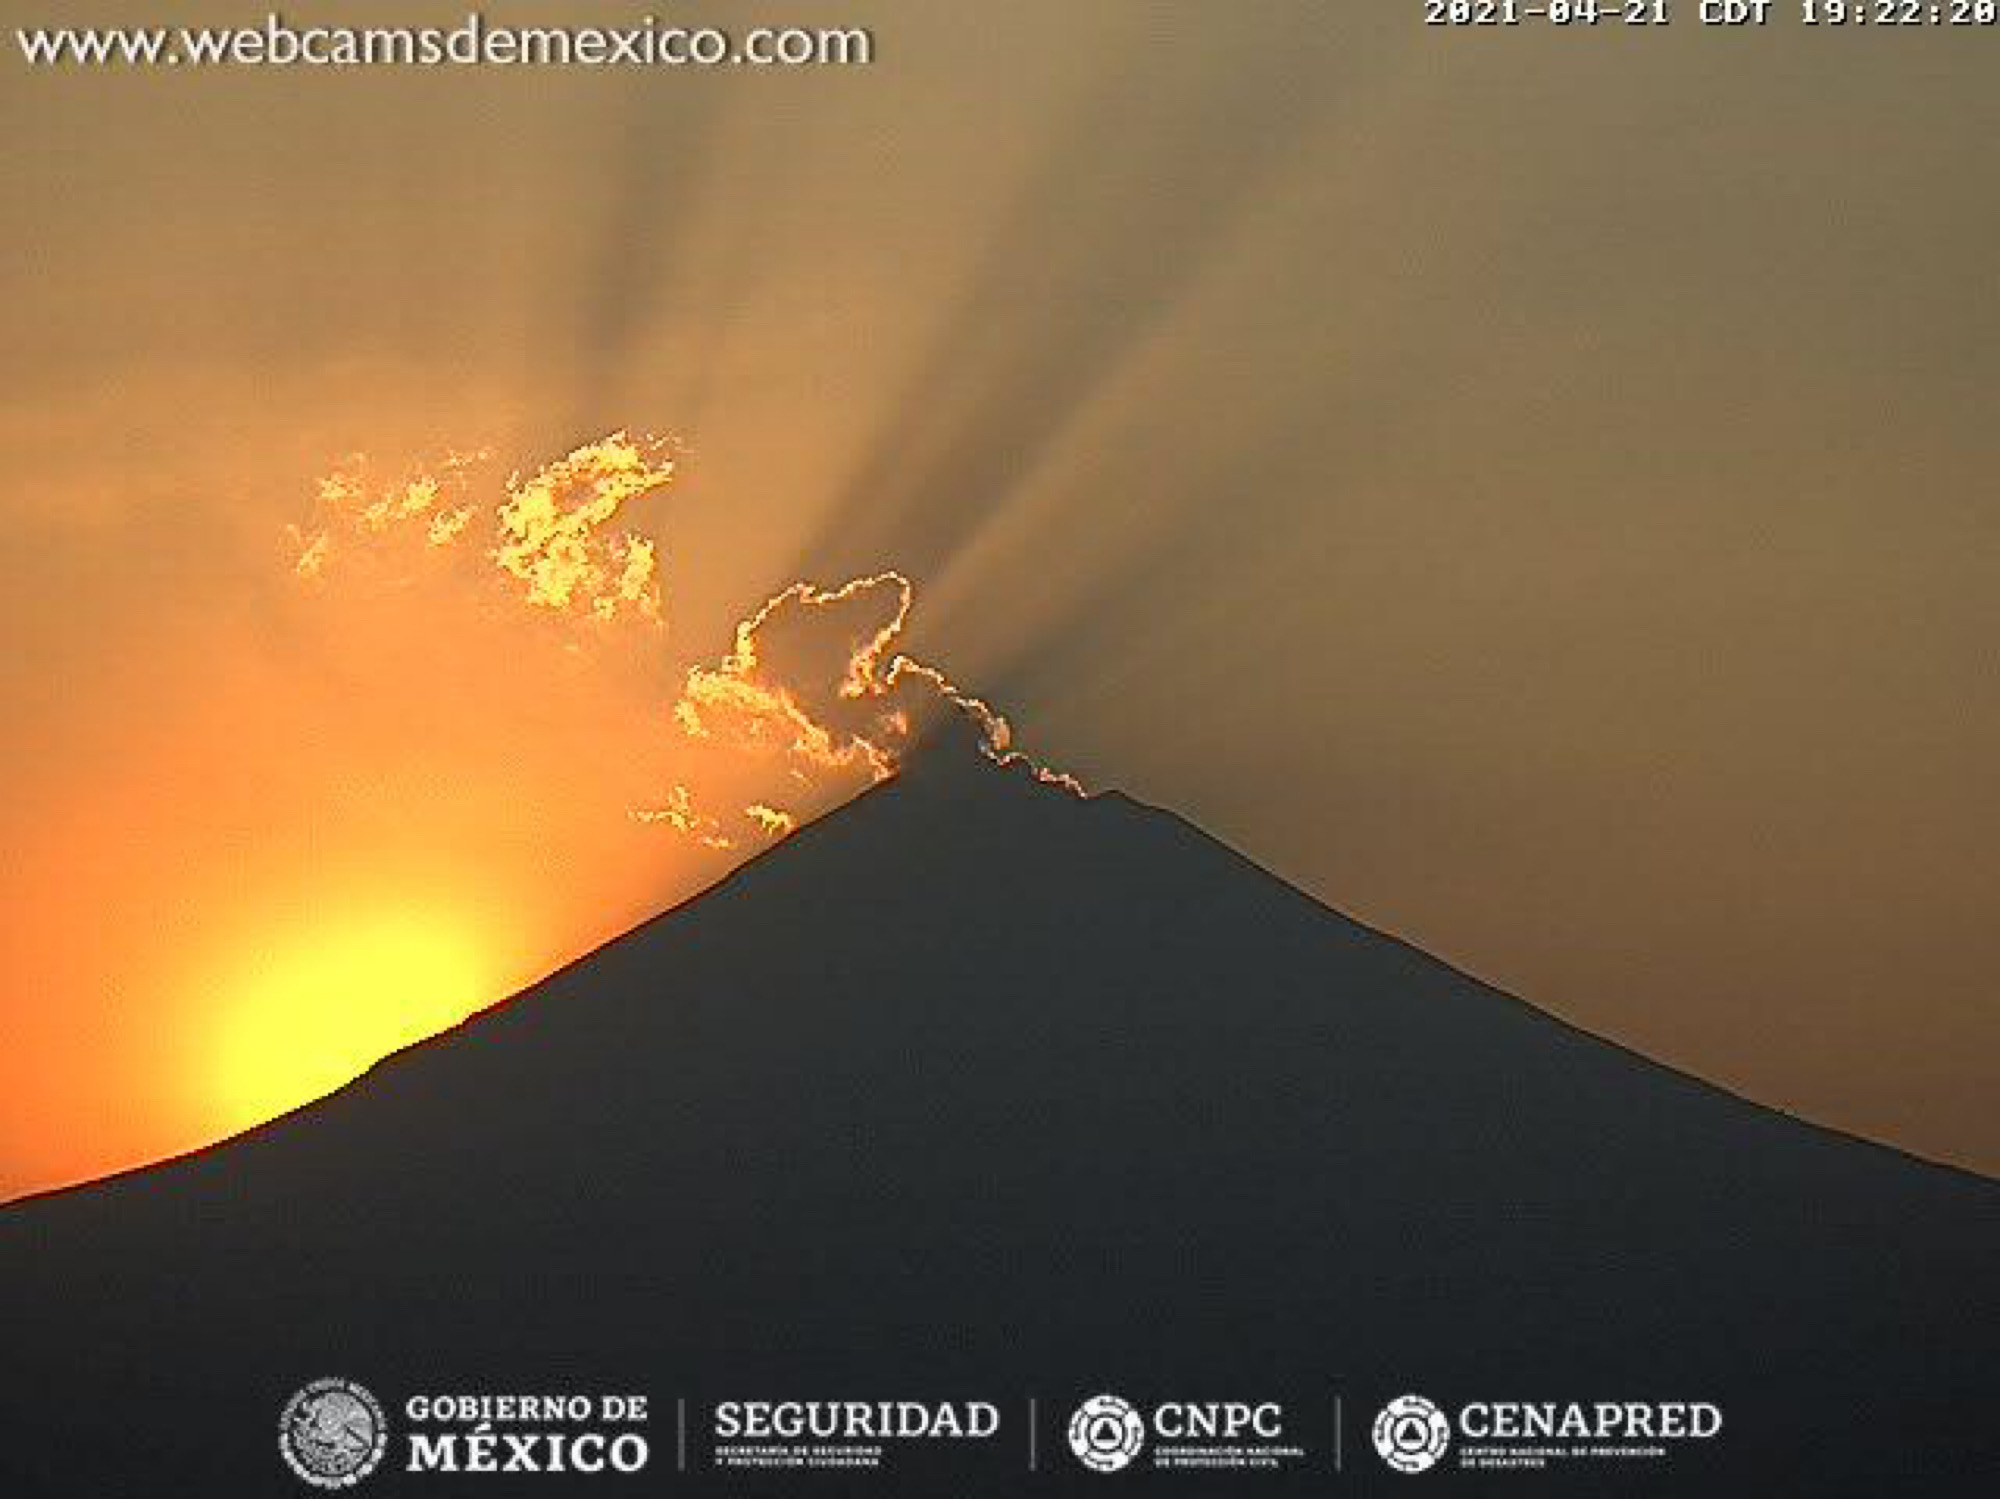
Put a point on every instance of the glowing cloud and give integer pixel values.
(553, 534)
(812, 701)
(679, 814)
(357, 522)
(807, 680)
(774, 822)
(550, 528)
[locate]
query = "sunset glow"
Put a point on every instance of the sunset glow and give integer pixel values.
(476, 740)
(307, 1011)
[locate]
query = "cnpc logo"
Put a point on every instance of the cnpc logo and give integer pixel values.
(1107, 1432)
(1223, 1420)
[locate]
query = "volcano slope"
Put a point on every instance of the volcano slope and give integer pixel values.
(976, 1089)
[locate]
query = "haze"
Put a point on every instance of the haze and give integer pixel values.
(1531, 489)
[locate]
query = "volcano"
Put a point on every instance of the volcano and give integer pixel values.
(977, 1090)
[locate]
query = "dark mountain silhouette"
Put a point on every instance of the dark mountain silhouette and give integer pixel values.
(976, 1090)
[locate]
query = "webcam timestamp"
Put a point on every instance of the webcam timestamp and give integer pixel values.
(1553, 12)
(1901, 12)
(1727, 13)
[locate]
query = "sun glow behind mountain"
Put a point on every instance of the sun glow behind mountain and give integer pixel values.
(1049, 331)
(306, 1011)
(474, 740)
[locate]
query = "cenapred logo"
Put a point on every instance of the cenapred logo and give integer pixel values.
(1106, 1433)
(332, 1433)
(1411, 1434)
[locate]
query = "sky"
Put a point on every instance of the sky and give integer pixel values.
(1532, 489)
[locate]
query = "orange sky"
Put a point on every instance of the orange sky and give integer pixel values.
(1531, 490)
(457, 750)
